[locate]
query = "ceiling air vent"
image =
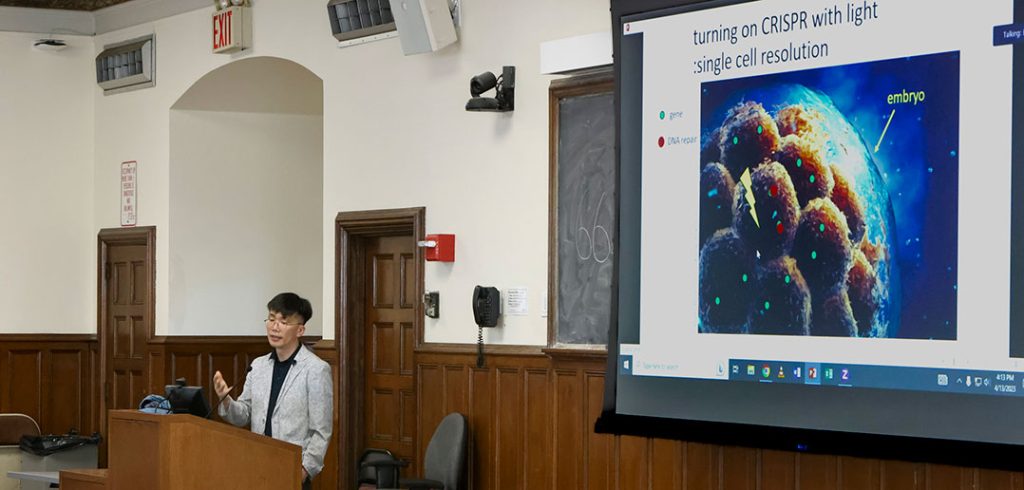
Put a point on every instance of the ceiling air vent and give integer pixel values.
(126, 66)
(360, 21)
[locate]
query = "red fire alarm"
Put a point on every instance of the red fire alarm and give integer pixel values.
(439, 248)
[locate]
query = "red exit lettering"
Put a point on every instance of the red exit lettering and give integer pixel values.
(222, 29)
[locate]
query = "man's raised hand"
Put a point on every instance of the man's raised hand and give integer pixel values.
(220, 386)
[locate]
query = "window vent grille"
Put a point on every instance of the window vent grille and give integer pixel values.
(352, 19)
(126, 66)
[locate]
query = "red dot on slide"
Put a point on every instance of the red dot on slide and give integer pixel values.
(661, 141)
(779, 228)
(774, 191)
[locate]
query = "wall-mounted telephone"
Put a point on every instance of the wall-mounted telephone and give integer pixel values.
(486, 310)
(486, 306)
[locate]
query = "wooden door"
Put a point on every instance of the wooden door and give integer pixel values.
(127, 326)
(126, 310)
(389, 394)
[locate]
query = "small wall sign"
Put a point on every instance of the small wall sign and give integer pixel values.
(129, 194)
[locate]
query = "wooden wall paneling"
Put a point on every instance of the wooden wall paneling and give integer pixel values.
(944, 477)
(778, 470)
(50, 378)
(598, 451)
(430, 386)
(860, 473)
(702, 463)
(531, 420)
(665, 470)
(328, 479)
(997, 480)
(66, 398)
(739, 468)
(510, 438)
(481, 429)
(902, 475)
(817, 471)
(539, 428)
(567, 409)
(95, 387)
(456, 391)
(24, 382)
(632, 454)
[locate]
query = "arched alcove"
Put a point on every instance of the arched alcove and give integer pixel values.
(246, 196)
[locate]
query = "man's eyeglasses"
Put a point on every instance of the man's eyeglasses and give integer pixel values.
(271, 321)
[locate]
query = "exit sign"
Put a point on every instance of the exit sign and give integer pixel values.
(231, 30)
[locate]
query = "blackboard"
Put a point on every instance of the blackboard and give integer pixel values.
(583, 203)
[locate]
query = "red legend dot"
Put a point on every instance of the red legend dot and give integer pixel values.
(661, 141)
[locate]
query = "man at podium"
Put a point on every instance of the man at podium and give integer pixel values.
(288, 393)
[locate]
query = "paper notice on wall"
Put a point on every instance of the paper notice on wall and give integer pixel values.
(516, 302)
(129, 196)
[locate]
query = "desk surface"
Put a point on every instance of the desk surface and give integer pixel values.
(43, 476)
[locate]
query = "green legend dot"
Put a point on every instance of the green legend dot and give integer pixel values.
(661, 115)
(767, 305)
(744, 278)
(718, 300)
(735, 140)
(821, 227)
(812, 178)
(760, 129)
(787, 279)
(814, 255)
(799, 162)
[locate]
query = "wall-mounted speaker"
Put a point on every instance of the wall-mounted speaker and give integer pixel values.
(423, 25)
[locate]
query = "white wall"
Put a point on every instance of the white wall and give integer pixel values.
(48, 249)
(395, 135)
(245, 201)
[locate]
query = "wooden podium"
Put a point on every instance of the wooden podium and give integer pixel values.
(179, 452)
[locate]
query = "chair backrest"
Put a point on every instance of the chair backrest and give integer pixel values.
(384, 477)
(15, 425)
(445, 460)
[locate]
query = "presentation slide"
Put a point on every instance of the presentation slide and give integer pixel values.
(823, 198)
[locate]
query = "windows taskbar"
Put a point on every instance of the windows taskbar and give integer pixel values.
(966, 381)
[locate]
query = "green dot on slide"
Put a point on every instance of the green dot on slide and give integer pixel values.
(799, 162)
(718, 300)
(744, 278)
(767, 305)
(735, 140)
(814, 255)
(662, 115)
(821, 227)
(787, 279)
(760, 129)
(812, 178)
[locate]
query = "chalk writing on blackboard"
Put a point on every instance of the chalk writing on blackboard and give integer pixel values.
(585, 201)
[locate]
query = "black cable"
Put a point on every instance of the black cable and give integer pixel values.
(479, 346)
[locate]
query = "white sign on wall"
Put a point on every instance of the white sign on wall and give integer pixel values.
(129, 194)
(517, 301)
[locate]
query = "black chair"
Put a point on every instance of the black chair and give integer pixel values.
(371, 476)
(445, 461)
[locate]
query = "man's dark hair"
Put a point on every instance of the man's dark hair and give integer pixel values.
(288, 304)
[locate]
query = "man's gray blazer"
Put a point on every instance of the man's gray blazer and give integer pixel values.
(304, 411)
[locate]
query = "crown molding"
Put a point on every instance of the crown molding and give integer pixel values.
(141, 11)
(46, 21)
(53, 21)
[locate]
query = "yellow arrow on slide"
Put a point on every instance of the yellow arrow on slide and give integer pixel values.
(880, 138)
(749, 194)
